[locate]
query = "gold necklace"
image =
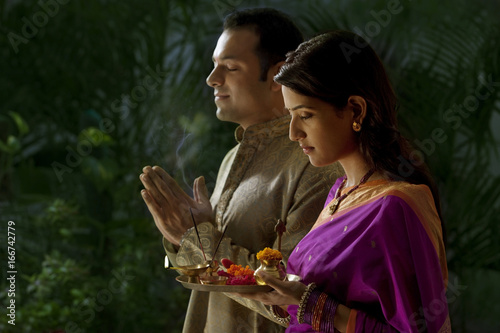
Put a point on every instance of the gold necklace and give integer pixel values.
(332, 208)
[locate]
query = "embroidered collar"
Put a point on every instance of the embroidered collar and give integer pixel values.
(269, 129)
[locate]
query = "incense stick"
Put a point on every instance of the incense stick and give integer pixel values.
(220, 241)
(197, 234)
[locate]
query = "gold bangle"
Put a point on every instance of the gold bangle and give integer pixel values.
(278, 317)
(303, 302)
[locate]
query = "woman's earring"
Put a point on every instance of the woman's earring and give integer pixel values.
(356, 126)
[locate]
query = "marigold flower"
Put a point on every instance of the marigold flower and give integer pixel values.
(269, 254)
(238, 275)
(238, 270)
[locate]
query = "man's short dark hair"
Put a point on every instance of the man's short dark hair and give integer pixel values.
(276, 31)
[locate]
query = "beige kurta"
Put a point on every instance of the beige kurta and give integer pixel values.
(264, 178)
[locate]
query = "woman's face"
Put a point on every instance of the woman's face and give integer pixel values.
(324, 133)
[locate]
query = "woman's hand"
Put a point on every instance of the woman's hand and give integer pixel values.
(285, 292)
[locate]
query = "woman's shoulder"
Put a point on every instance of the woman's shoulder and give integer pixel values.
(409, 192)
(417, 197)
(387, 189)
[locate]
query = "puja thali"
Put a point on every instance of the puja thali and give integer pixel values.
(183, 279)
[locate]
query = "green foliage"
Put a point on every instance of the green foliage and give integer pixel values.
(12, 145)
(103, 88)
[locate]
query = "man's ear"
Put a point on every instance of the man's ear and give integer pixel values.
(272, 72)
(358, 106)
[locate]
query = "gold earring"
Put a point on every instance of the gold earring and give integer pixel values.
(356, 126)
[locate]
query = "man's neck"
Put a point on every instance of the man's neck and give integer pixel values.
(274, 113)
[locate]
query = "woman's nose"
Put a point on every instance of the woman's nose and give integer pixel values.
(295, 133)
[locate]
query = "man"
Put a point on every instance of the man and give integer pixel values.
(265, 177)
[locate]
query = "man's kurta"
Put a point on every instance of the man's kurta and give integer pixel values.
(265, 177)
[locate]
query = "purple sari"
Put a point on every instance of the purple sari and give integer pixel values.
(381, 255)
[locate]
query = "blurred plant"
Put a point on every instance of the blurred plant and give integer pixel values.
(47, 302)
(12, 145)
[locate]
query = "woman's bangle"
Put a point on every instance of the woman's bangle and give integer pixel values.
(328, 320)
(278, 317)
(311, 303)
(303, 302)
(318, 310)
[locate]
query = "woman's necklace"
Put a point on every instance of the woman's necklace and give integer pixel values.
(332, 208)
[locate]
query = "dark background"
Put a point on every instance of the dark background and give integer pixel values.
(92, 91)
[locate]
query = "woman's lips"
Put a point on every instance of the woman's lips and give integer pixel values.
(306, 149)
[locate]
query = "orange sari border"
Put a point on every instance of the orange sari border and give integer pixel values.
(351, 322)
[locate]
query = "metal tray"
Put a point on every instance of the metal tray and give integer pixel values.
(221, 288)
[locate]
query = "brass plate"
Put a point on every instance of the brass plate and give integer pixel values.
(222, 289)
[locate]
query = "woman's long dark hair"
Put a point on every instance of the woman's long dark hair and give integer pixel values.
(339, 64)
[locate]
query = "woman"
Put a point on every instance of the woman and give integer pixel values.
(375, 260)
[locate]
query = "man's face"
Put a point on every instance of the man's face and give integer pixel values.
(239, 94)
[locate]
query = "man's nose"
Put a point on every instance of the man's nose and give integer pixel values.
(214, 79)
